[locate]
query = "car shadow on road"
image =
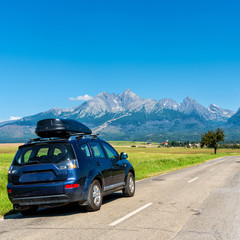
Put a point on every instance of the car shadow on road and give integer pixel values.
(112, 197)
(69, 209)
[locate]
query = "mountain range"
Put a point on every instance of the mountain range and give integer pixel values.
(127, 116)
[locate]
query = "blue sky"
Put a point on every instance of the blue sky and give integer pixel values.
(53, 50)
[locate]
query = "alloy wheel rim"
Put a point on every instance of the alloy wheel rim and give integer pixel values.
(96, 195)
(131, 184)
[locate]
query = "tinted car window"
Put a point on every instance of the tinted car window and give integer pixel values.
(26, 156)
(111, 153)
(44, 153)
(96, 150)
(85, 149)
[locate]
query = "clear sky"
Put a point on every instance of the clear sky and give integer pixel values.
(51, 51)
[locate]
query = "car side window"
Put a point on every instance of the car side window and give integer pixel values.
(96, 150)
(85, 149)
(26, 156)
(56, 151)
(111, 153)
(43, 152)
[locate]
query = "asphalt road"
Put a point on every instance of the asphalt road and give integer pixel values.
(200, 202)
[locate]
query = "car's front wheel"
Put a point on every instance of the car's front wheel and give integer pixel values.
(129, 189)
(94, 197)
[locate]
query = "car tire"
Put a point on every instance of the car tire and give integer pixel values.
(95, 197)
(129, 189)
(30, 211)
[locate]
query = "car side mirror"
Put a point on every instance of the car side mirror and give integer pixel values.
(123, 155)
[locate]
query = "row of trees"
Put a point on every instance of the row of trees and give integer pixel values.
(230, 146)
(181, 144)
(211, 139)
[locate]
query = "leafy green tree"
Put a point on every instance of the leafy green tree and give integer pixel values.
(212, 139)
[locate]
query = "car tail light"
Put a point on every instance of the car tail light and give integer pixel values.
(68, 186)
(9, 190)
(72, 164)
(10, 170)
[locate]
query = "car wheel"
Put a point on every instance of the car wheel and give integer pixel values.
(30, 211)
(94, 197)
(129, 190)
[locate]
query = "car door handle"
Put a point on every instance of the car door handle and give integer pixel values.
(98, 164)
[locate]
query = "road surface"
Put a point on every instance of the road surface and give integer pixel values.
(200, 202)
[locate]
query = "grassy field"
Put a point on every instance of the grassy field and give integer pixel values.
(152, 161)
(147, 161)
(131, 143)
(7, 153)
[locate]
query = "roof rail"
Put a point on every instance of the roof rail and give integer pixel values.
(94, 135)
(42, 139)
(74, 136)
(81, 135)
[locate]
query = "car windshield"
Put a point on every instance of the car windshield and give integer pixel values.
(44, 153)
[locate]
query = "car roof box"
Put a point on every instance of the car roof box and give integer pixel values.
(60, 128)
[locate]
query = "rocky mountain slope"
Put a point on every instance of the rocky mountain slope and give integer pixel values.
(128, 116)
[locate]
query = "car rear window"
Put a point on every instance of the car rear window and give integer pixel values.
(44, 153)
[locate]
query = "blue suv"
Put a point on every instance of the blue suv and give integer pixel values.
(67, 165)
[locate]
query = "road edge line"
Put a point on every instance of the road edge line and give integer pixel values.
(192, 180)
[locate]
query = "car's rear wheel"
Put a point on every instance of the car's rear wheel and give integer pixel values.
(30, 211)
(94, 197)
(129, 189)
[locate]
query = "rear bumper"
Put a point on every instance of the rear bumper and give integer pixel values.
(30, 197)
(42, 200)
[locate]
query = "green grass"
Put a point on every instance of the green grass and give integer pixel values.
(147, 162)
(130, 143)
(5, 161)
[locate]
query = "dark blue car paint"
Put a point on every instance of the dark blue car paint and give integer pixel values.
(44, 184)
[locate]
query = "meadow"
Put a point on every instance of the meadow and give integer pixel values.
(148, 161)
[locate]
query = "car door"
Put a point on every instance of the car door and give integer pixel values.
(103, 163)
(118, 165)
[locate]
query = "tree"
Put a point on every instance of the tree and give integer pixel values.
(212, 139)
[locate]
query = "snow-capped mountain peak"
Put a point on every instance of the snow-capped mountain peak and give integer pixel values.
(128, 101)
(213, 108)
(147, 116)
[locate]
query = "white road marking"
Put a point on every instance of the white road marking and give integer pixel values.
(129, 215)
(212, 169)
(193, 179)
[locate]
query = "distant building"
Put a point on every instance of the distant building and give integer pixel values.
(165, 144)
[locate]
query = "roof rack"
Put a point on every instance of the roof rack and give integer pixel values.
(32, 140)
(94, 135)
(73, 136)
(81, 135)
